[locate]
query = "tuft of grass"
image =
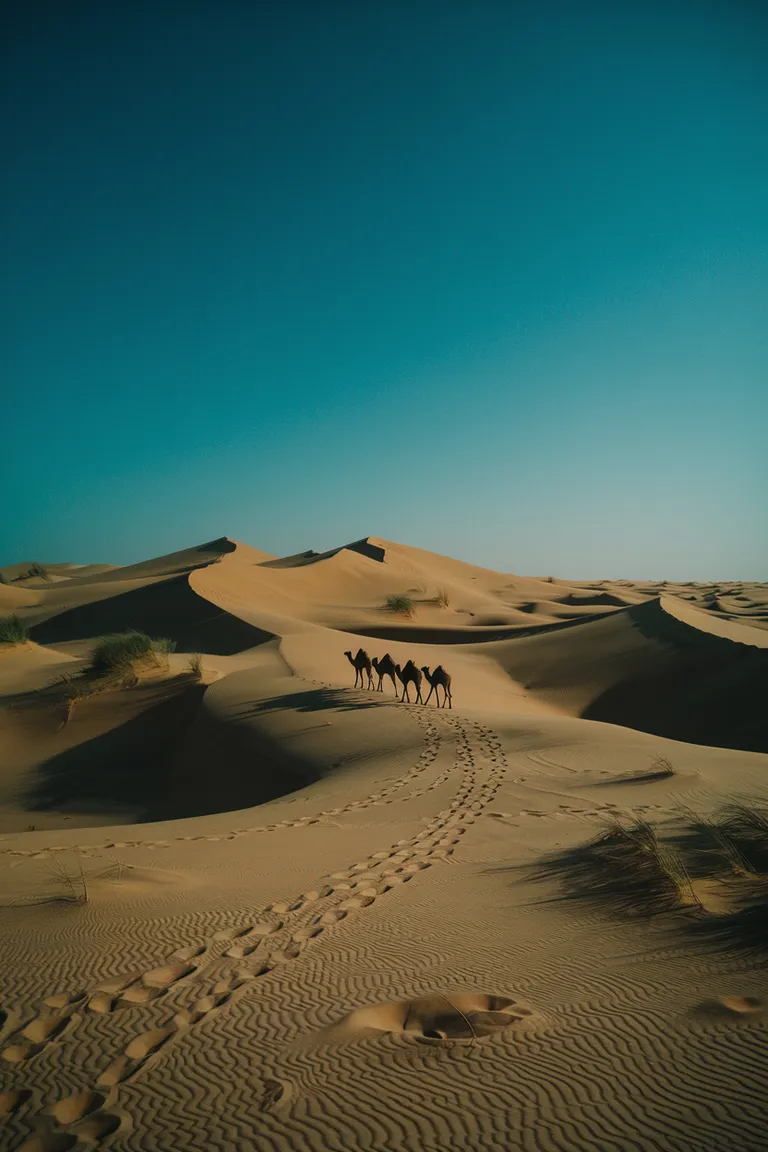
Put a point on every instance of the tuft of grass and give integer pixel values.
(71, 878)
(747, 829)
(403, 605)
(122, 653)
(442, 599)
(12, 631)
(195, 665)
(626, 866)
(34, 570)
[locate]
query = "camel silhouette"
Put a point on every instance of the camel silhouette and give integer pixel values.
(385, 667)
(407, 675)
(442, 678)
(361, 663)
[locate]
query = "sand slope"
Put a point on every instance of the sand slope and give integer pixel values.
(310, 921)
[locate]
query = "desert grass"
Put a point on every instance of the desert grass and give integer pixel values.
(34, 570)
(442, 599)
(624, 867)
(746, 827)
(120, 656)
(70, 878)
(402, 605)
(12, 631)
(195, 665)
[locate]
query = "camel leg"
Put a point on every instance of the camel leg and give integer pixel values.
(450, 698)
(418, 694)
(430, 696)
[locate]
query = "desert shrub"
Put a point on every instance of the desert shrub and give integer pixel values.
(12, 631)
(442, 599)
(195, 665)
(122, 652)
(34, 570)
(2, 578)
(400, 604)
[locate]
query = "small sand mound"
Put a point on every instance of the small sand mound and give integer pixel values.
(442, 1016)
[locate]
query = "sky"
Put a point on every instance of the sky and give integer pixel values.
(483, 276)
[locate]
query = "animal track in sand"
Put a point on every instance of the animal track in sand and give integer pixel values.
(327, 906)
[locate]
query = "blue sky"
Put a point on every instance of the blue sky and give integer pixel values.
(486, 277)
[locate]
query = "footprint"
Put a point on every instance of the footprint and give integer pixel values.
(169, 974)
(95, 1127)
(265, 927)
(275, 1092)
(240, 951)
(332, 916)
(285, 955)
(142, 1046)
(48, 1142)
(139, 994)
(44, 1028)
(208, 1003)
(75, 1107)
(12, 1100)
(302, 934)
(15, 1053)
(117, 1071)
(189, 953)
(63, 999)
(356, 902)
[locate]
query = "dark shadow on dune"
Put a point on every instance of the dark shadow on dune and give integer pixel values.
(464, 634)
(167, 608)
(170, 761)
(313, 700)
(711, 690)
(744, 930)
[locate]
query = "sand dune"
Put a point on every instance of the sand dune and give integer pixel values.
(248, 906)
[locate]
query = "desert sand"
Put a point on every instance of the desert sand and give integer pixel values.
(246, 905)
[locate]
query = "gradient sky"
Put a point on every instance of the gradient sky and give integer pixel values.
(482, 276)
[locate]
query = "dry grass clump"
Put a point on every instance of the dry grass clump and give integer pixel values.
(34, 570)
(121, 654)
(624, 866)
(403, 605)
(716, 870)
(747, 829)
(442, 599)
(12, 631)
(195, 665)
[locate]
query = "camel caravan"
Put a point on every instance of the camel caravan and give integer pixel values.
(408, 674)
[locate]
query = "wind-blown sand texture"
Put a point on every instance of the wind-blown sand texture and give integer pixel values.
(260, 909)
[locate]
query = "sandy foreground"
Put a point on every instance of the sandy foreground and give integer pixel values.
(262, 909)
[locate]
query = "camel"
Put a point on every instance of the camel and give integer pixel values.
(361, 663)
(439, 677)
(385, 667)
(408, 675)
